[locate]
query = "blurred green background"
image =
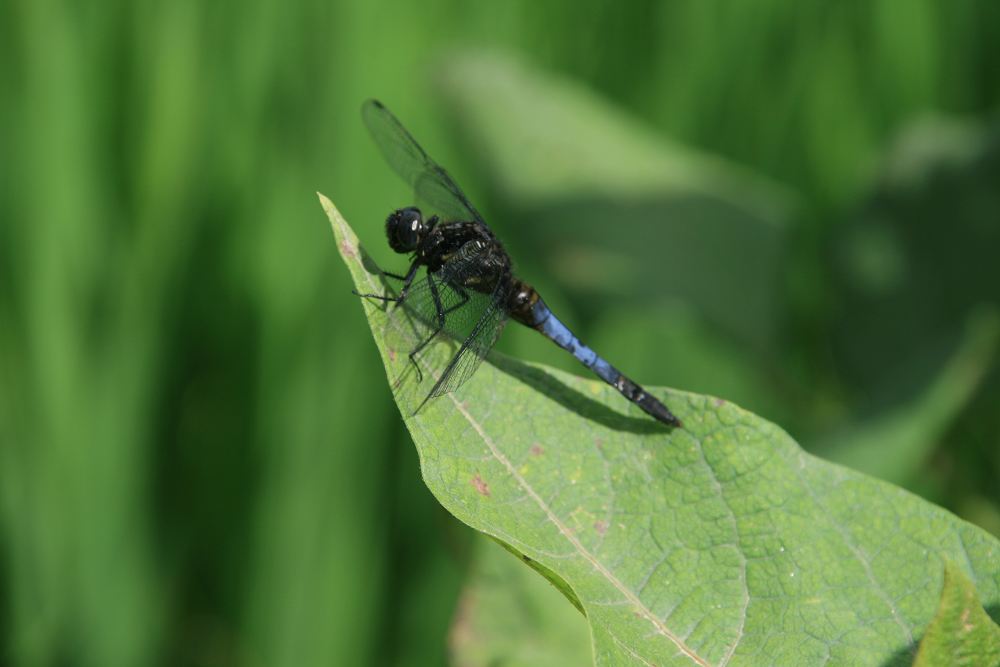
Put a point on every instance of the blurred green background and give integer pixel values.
(793, 205)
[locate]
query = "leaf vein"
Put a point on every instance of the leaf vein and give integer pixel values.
(575, 542)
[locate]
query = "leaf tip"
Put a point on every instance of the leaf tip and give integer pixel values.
(347, 242)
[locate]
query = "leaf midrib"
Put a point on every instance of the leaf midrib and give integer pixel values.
(644, 611)
(572, 539)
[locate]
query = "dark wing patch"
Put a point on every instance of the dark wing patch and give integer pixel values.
(434, 188)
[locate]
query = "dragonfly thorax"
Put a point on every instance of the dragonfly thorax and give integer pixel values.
(405, 229)
(468, 289)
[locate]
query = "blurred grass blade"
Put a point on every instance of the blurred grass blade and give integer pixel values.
(683, 546)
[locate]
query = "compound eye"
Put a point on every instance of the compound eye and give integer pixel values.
(404, 228)
(411, 218)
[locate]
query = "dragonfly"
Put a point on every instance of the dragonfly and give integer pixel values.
(468, 289)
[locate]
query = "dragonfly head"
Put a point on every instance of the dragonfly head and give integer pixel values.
(405, 229)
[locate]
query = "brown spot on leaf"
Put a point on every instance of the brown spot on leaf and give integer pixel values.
(348, 250)
(718, 402)
(482, 487)
(599, 443)
(536, 450)
(601, 527)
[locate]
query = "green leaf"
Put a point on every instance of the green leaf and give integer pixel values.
(919, 257)
(508, 615)
(719, 543)
(570, 141)
(961, 633)
(894, 445)
(574, 165)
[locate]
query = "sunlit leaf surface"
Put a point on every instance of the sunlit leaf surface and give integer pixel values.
(720, 543)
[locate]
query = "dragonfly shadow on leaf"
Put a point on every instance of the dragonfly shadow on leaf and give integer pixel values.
(376, 274)
(460, 285)
(405, 381)
(571, 399)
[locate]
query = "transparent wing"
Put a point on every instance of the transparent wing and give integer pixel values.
(472, 352)
(416, 320)
(434, 188)
(450, 327)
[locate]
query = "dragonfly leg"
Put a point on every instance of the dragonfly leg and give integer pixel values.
(407, 280)
(441, 313)
(378, 297)
(439, 307)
